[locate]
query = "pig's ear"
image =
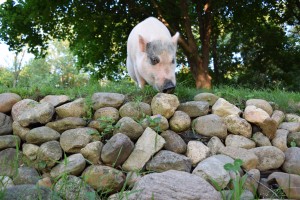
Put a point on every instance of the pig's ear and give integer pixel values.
(142, 43)
(175, 38)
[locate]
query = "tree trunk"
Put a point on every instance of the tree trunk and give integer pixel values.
(215, 58)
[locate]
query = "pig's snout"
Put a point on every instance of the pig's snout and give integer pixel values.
(168, 87)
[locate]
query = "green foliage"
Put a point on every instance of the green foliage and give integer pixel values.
(238, 182)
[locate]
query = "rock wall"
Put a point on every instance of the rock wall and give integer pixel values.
(165, 150)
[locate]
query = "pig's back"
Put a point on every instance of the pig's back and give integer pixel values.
(151, 29)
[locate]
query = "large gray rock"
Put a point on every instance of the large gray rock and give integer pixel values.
(129, 127)
(104, 178)
(194, 108)
(55, 100)
(135, 110)
(208, 97)
(74, 165)
(7, 100)
(180, 121)
(92, 152)
(172, 185)
(116, 150)
(164, 104)
(197, 151)
(48, 154)
(20, 130)
(103, 99)
(29, 191)
(269, 157)
(28, 112)
(5, 182)
(75, 108)
(210, 125)
(5, 124)
(174, 142)
(167, 160)
(8, 141)
(10, 160)
(239, 141)
(250, 160)
(72, 187)
(67, 123)
(73, 140)
(41, 135)
(223, 108)
(26, 175)
(107, 113)
(212, 168)
(146, 146)
(238, 126)
(292, 160)
(260, 103)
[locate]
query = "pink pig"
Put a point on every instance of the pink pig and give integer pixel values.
(151, 55)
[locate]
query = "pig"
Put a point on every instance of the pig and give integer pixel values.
(151, 55)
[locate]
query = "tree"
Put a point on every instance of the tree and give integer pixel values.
(98, 30)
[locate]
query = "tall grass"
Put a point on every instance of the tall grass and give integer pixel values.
(285, 101)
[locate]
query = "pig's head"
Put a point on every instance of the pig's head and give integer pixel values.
(157, 62)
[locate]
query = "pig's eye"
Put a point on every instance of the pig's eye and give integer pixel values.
(173, 61)
(154, 60)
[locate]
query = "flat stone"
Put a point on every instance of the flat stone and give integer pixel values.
(223, 108)
(290, 117)
(75, 108)
(74, 165)
(167, 160)
(292, 127)
(210, 125)
(67, 123)
(208, 97)
(55, 100)
(147, 145)
(41, 135)
(260, 103)
(104, 99)
(194, 108)
(239, 141)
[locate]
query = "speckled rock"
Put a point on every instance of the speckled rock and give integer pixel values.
(67, 123)
(107, 113)
(56, 100)
(261, 140)
(292, 160)
(41, 135)
(223, 108)
(75, 108)
(197, 151)
(129, 127)
(157, 122)
(105, 99)
(260, 103)
(5, 124)
(208, 97)
(92, 152)
(8, 141)
(174, 142)
(164, 104)
(7, 100)
(194, 108)
(73, 140)
(280, 140)
(135, 110)
(180, 121)
(238, 126)
(239, 141)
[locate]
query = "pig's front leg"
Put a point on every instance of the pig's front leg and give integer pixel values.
(140, 80)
